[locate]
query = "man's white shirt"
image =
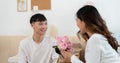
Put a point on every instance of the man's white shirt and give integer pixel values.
(31, 52)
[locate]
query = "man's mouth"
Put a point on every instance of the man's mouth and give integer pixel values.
(43, 30)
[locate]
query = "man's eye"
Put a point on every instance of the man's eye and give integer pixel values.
(45, 23)
(40, 24)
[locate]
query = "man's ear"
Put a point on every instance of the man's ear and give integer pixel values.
(32, 24)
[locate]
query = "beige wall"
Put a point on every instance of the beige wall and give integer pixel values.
(8, 47)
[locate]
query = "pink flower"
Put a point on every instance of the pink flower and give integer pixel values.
(64, 43)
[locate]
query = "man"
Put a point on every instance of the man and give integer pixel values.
(38, 47)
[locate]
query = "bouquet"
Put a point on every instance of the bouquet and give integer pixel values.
(63, 43)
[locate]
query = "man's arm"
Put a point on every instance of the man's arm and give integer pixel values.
(54, 57)
(22, 58)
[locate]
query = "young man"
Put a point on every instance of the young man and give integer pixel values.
(38, 47)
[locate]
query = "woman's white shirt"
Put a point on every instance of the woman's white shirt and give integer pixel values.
(98, 50)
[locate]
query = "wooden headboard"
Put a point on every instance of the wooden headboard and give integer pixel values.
(9, 47)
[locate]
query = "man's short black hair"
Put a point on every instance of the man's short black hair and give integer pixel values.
(37, 18)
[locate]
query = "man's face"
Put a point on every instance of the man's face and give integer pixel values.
(40, 27)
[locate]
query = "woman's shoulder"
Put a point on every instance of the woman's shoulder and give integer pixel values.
(98, 36)
(97, 39)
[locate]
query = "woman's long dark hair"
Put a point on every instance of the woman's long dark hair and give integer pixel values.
(94, 23)
(82, 52)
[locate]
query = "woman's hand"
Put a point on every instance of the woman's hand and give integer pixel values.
(67, 55)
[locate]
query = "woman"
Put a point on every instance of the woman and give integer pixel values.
(101, 47)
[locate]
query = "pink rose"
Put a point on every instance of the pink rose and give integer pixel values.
(64, 43)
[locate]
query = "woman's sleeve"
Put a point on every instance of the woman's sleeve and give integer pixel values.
(74, 59)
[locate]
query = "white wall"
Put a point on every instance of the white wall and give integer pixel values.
(11, 21)
(62, 15)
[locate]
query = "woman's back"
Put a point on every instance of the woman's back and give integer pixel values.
(98, 50)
